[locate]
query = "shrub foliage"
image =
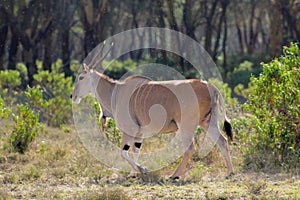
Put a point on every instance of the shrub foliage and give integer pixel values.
(274, 102)
(271, 134)
(25, 128)
(48, 102)
(57, 107)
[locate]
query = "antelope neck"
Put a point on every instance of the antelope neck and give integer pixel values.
(104, 87)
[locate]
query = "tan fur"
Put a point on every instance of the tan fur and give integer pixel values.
(140, 106)
(159, 93)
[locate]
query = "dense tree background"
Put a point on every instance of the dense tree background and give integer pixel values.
(32, 30)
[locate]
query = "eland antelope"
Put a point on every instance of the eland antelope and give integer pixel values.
(132, 103)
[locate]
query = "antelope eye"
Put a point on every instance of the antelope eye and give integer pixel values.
(81, 77)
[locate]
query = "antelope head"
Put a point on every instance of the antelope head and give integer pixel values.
(84, 81)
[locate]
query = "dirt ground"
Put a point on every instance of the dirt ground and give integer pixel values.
(57, 166)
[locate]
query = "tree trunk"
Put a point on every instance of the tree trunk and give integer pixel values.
(30, 62)
(160, 13)
(290, 14)
(92, 13)
(188, 19)
(252, 30)
(240, 38)
(276, 29)
(214, 52)
(47, 53)
(49, 29)
(66, 53)
(237, 20)
(161, 22)
(13, 48)
(87, 20)
(224, 11)
(3, 37)
(171, 16)
(209, 28)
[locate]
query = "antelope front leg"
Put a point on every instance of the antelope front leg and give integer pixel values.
(136, 152)
(126, 142)
(223, 146)
(103, 126)
(186, 157)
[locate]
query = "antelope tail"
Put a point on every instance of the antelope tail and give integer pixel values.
(228, 129)
(218, 100)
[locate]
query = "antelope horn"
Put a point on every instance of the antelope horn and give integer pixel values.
(94, 60)
(104, 56)
(86, 68)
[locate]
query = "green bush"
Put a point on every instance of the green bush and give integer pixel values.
(5, 113)
(112, 133)
(274, 102)
(56, 94)
(36, 102)
(9, 82)
(22, 69)
(4, 110)
(49, 97)
(117, 69)
(10, 79)
(25, 128)
(241, 74)
(25, 124)
(234, 61)
(34, 97)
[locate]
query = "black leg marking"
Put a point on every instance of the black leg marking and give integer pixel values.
(175, 179)
(228, 130)
(126, 147)
(138, 145)
(143, 170)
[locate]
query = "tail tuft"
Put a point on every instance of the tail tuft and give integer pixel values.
(228, 130)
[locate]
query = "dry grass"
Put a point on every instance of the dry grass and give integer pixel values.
(58, 167)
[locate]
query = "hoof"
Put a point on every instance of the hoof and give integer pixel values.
(132, 175)
(229, 175)
(174, 178)
(142, 170)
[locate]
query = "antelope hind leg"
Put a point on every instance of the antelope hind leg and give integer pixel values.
(223, 146)
(182, 166)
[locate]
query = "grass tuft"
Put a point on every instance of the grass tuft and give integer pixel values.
(111, 194)
(66, 170)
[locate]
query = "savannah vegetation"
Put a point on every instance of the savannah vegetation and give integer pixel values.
(43, 44)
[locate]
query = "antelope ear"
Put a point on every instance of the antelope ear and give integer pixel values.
(86, 68)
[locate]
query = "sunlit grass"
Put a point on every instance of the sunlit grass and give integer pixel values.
(57, 166)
